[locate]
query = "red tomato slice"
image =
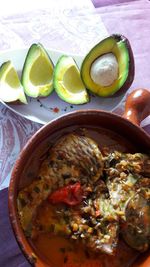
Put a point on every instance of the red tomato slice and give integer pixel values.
(71, 194)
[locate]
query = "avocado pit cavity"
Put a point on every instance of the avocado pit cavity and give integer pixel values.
(105, 70)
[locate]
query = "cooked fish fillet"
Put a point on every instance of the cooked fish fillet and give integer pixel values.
(72, 158)
(136, 229)
(124, 176)
(129, 194)
(77, 157)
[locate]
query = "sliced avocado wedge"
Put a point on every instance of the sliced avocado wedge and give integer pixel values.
(11, 89)
(37, 74)
(109, 66)
(68, 83)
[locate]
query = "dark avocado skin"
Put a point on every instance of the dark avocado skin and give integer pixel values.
(131, 72)
(131, 67)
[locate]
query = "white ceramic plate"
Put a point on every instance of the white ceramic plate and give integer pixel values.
(43, 110)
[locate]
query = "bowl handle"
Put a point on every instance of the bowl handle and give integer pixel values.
(137, 106)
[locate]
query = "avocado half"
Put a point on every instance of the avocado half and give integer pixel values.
(68, 83)
(37, 73)
(11, 90)
(120, 47)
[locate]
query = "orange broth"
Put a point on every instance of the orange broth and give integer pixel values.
(62, 252)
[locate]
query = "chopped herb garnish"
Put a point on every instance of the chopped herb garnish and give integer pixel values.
(66, 175)
(22, 202)
(36, 189)
(46, 187)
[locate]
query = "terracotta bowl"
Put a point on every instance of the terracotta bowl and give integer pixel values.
(137, 107)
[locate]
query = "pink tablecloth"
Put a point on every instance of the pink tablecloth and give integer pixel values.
(72, 27)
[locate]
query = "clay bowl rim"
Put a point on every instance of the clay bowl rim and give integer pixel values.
(39, 136)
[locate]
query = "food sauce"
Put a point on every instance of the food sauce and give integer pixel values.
(62, 252)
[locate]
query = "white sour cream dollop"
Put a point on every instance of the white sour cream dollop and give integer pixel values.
(104, 70)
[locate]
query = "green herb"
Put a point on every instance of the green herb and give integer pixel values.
(22, 202)
(46, 187)
(36, 189)
(28, 232)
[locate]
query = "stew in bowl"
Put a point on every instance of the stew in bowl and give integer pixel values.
(80, 192)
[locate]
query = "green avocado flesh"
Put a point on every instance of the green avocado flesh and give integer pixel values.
(68, 83)
(119, 49)
(11, 89)
(37, 74)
